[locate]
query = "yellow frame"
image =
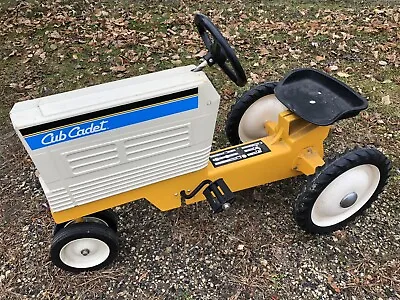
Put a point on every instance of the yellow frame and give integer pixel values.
(296, 148)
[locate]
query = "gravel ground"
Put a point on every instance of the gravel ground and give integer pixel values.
(253, 251)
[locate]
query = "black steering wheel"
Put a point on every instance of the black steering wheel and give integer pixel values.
(219, 51)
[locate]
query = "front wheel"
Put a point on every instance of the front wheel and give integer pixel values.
(107, 217)
(84, 247)
(342, 189)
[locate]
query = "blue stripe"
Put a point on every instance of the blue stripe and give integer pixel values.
(76, 131)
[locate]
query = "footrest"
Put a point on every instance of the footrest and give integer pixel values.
(219, 195)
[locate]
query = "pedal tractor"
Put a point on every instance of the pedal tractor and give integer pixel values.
(150, 137)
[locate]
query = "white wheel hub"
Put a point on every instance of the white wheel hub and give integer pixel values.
(345, 195)
(251, 125)
(84, 253)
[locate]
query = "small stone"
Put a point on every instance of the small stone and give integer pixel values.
(263, 262)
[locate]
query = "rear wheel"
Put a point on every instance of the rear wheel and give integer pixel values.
(342, 189)
(247, 117)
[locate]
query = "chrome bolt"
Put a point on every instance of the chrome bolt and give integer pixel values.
(226, 206)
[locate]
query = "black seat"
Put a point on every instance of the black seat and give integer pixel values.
(318, 98)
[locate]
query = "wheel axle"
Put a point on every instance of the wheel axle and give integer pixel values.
(349, 200)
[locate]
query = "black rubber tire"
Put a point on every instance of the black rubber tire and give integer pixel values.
(84, 230)
(326, 174)
(109, 216)
(241, 105)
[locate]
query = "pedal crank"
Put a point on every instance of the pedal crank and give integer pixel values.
(218, 194)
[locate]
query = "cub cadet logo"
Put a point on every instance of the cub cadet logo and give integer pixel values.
(73, 133)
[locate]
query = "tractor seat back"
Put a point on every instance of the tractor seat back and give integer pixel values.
(318, 98)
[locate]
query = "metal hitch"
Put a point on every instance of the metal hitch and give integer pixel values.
(219, 195)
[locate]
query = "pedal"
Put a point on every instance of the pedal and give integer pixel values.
(219, 196)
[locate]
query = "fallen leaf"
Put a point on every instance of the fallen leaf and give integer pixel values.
(382, 63)
(202, 53)
(386, 100)
(118, 69)
(333, 284)
(254, 77)
(343, 74)
(263, 51)
(319, 58)
(333, 68)
(240, 247)
(263, 262)
(55, 35)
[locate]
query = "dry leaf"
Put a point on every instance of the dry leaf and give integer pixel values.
(263, 51)
(386, 100)
(118, 69)
(254, 77)
(343, 74)
(55, 35)
(319, 58)
(333, 284)
(333, 68)
(202, 53)
(382, 63)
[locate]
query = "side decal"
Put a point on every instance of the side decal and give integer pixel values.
(76, 130)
